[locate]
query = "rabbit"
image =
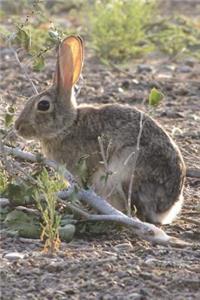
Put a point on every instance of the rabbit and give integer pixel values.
(101, 141)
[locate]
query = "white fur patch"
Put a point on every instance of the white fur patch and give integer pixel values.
(170, 215)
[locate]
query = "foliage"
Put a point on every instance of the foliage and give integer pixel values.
(46, 203)
(3, 180)
(9, 116)
(36, 34)
(155, 97)
(118, 28)
(175, 35)
(23, 222)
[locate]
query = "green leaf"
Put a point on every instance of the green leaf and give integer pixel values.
(8, 119)
(155, 97)
(38, 64)
(54, 35)
(26, 224)
(23, 38)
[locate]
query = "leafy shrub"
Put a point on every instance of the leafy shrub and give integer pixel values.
(118, 27)
(47, 206)
(175, 35)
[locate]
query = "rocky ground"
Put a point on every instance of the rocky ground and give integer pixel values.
(116, 265)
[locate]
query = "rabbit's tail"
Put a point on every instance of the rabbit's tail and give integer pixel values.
(150, 205)
(170, 215)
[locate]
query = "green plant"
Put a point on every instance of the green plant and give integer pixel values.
(46, 203)
(118, 28)
(155, 97)
(3, 179)
(175, 35)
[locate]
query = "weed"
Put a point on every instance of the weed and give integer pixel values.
(118, 28)
(3, 180)
(46, 203)
(176, 35)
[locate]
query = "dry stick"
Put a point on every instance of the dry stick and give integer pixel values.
(103, 155)
(136, 153)
(193, 172)
(145, 230)
(21, 66)
(192, 221)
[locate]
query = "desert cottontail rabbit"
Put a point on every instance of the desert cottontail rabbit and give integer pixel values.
(79, 136)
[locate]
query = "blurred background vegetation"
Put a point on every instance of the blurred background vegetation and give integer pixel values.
(116, 30)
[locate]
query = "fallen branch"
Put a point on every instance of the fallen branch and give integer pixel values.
(144, 230)
(193, 172)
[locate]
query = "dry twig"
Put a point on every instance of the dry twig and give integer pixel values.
(136, 153)
(144, 230)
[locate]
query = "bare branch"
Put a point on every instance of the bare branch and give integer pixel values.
(104, 155)
(21, 66)
(193, 172)
(145, 230)
(136, 153)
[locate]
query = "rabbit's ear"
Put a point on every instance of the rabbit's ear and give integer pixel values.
(69, 63)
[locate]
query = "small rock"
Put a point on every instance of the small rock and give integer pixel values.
(123, 247)
(67, 232)
(150, 261)
(135, 296)
(143, 68)
(125, 84)
(172, 114)
(190, 62)
(183, 69)
(14, 256)
(168, 68)
(4, 202)
(54, 267)
(182, 91)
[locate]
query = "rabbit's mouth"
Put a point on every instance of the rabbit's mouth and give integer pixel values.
(26, 132)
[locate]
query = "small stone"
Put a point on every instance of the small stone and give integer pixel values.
(150, 261)
(123, 247)
(67, 232)
(4, 202)
(183, 69)
(190, 62)
(14, 256)
(135, 296)
(54, 267)
(169, 68)
(143, 68)
(125, 84)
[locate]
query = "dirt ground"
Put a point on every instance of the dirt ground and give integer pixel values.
(117, 265)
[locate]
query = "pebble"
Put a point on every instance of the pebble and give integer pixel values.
(55, 267)
(183, 69)
(67, 232)
(169, 68)
(190, 62)
(135, 296)
(14, 256)
(150, 261)
(143, 68)
(4, 202)
(125, 84)
(123, 246)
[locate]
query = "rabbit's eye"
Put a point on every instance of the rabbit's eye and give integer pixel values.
(43, 105)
